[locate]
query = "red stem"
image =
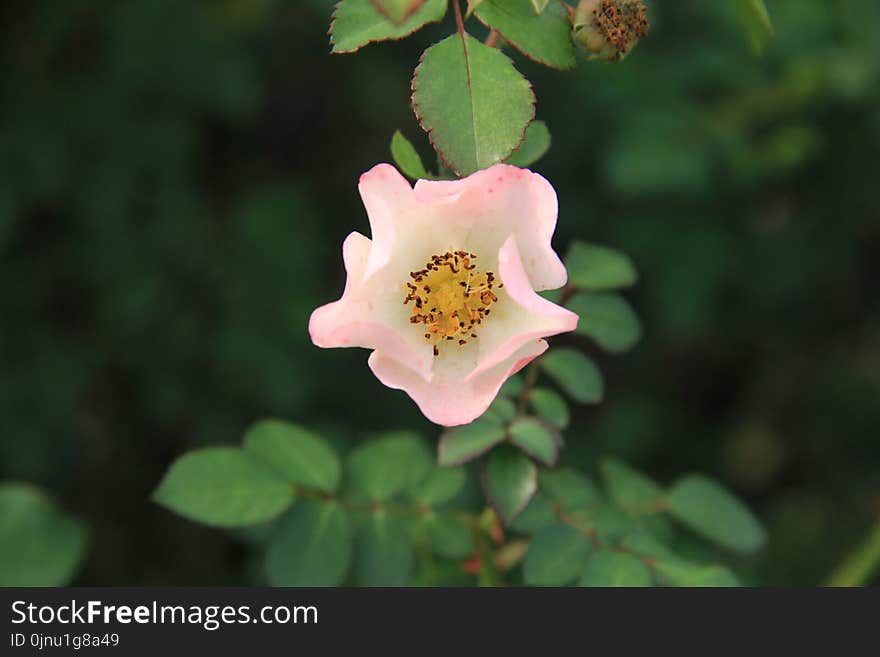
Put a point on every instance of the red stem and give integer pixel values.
(459, 21)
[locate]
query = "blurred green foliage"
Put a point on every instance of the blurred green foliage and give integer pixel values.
(39, 544)
(399, 519)
(176, 180)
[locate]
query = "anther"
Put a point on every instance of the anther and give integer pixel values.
(458, 298)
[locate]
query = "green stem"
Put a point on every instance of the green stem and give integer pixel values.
(861, 565)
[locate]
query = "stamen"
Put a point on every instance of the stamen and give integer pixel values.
(622, 23)
(459, 298)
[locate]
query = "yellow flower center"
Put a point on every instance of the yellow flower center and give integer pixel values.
(450, 298)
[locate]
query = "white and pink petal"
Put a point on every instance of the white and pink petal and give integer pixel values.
(447, 399)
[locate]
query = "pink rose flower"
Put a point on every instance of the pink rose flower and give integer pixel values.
(445, 291)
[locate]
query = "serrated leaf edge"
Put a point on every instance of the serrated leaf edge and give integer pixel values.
(448, 163)
(537, 60)
(334, 51)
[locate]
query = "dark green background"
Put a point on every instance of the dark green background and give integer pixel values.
(176, 179)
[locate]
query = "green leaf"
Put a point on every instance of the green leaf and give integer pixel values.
(659, 525)
(755, 18)
(407, 159)
(544, 36)
(357, 23)
(386, 466)
(501, 411)
(385, 552)
(536, 439)
(311, 546)
(556, 555)
(553, 296)
(440, 486)
(569, 488)
(512, 388)
(612, 524)
(860, 564)
(550, 406)
(537, 515)
(607, 568)
(301, 456)
(608, 319)
(510, 480)
(599, 268)
(449, 535)
(630, 490)
(474, 105)
(646, 545)
(462, 444)
(709, 509)
(534, 145)
(39, 545)
(682, 573)
(576, 374)
(397, 10)
(224, 487)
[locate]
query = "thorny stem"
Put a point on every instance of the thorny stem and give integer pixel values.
(492, 38)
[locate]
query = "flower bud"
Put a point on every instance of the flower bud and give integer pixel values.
(610, 28)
